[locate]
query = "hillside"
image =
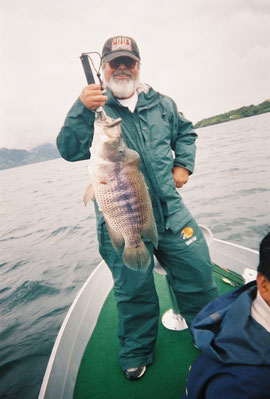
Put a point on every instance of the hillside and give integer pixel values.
(242, 112)
(10, 158)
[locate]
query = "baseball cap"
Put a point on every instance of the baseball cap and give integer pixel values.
(120, 46)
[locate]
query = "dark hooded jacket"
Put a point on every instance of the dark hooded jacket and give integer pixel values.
(235, 359)
(155, 130)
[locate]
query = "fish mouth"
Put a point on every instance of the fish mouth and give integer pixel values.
(112, 128)
(113, 122)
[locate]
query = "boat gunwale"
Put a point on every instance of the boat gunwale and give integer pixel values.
(66, 389)
(47, 388)
(237, 246)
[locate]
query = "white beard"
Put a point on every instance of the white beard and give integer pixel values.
(122, 88)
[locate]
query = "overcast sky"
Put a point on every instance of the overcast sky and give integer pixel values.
(210, 56)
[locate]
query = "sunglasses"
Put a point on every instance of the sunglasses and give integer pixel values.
(128, 62)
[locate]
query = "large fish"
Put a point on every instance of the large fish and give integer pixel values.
(121, 193)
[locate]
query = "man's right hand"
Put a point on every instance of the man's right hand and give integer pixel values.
(92, 97)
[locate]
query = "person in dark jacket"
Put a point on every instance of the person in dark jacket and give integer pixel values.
(233, 333)
(152, 126)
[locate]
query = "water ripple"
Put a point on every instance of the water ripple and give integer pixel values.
(49, 246)
(29, 291)
(66, 229)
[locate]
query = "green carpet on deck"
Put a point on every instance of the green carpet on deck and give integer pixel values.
(100, 376)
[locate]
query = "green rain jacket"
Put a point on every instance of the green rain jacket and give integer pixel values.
(155, 130)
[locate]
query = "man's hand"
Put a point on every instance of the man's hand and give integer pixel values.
(180, 175)
(92, 97)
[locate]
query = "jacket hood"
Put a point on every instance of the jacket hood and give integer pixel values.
(225, 330)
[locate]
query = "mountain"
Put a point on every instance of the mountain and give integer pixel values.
(9, 158)
(46, 150)
(242, 112)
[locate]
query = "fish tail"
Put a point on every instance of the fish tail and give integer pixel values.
(137, 258)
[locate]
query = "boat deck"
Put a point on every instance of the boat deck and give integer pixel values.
(100, 376)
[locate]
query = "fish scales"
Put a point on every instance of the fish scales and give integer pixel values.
(123, 201)
(121, 194)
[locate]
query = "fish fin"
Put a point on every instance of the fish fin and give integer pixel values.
(150, 231)
(117, 239)
(137, 258)
(89, 194)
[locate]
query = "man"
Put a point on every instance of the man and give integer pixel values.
(151, 126)
(233, 333)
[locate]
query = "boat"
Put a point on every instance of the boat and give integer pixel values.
(84, 359)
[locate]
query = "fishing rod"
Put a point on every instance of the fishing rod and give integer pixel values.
(85, 57)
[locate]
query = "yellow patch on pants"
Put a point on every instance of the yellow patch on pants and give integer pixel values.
(187, 232)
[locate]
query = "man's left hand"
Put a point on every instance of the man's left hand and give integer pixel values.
(180, 175)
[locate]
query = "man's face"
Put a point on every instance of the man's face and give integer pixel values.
(264, 287)
(267, 293)
(121, 76)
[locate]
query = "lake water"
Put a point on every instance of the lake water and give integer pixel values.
(48, 238)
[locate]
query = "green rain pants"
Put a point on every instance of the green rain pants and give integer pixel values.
(185, 257)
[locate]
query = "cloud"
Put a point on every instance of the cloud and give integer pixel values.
(210, 56)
